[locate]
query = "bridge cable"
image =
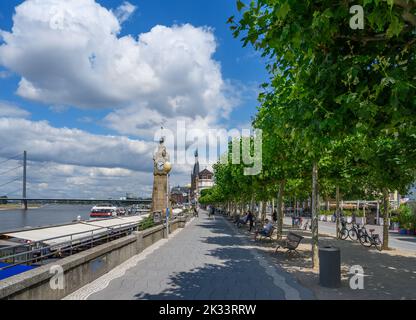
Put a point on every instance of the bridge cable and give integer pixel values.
(5, 184)
(4, 172)
(15, 191)
(11, 158)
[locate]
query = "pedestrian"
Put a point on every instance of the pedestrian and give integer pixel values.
(250, 219)
(266, 229)
(274, 216)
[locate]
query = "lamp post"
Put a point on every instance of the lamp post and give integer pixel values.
(167, 167)
(189, 186)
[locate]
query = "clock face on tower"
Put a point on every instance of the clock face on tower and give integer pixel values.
(160, 165)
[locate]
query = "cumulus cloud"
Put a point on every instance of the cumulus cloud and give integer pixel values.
(12, 111)
(124, 12)
(74, 163)
(70, 53)
(73, 146)
(84, 182)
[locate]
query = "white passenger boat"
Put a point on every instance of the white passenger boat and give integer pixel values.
(103, 211)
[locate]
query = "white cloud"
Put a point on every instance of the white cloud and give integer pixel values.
(4, 74)
(12, 111)
(70, 162)
(72, 146)
(124, 12)
(70, 53)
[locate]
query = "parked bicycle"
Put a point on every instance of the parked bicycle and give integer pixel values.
(343, 231)
(368, 240)
(355, 232)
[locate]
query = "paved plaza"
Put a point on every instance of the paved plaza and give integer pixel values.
(208, 259)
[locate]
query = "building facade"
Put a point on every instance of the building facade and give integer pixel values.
(200, 180)
(180, 195)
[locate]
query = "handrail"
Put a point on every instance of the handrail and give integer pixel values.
(67, 235)
(38, 247)
(43, 256)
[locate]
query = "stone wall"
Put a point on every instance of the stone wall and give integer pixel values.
(82, 268)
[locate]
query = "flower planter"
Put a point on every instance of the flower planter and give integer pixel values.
(410, 232)
(402, 231)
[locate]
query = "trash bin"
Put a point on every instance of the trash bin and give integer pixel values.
(330, 267)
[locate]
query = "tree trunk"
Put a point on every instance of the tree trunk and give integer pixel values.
(337, 212)
(263, 210)
(280, 209)
(386, 217)
(315, 213)
(252, 205)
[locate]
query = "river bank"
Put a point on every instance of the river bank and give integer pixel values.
(16, 206)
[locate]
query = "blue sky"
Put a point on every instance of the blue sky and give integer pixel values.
(84, 84)
(238, 64)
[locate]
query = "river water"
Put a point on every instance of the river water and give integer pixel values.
(50, 214)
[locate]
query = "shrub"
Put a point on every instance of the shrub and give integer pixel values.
(406, 217)
(146, 223)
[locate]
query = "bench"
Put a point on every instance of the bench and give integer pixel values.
(264, 236)
(291, 243)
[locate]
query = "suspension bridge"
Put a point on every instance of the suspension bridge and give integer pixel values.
(13, 171)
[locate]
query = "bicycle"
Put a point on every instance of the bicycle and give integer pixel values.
(369, 240)
(343, 231)
(355, 232)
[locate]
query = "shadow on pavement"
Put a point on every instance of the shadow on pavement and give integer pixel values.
(237, 276)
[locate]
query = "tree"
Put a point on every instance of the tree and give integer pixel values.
(334, 82)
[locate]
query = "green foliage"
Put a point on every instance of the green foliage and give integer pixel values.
(146, 223)
(406, 218)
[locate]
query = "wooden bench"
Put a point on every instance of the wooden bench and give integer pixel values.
(291, 243)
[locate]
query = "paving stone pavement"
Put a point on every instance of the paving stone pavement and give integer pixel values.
(206, 260)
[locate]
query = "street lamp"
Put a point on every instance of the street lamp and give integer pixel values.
(189, 186)
(167, 167)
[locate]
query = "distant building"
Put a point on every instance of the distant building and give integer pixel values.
(131, 196)
(200, 180)
(206, 180)
(3, 200)
(180, 195)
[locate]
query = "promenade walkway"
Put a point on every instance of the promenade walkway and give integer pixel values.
(206, 260)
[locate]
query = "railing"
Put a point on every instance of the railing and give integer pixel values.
(37, 251)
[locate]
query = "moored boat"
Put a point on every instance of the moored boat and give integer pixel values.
(103, 211)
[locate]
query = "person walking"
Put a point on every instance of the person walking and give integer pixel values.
(250, 219)
(274, 216)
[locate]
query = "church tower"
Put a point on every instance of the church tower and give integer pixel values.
(195, 179)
